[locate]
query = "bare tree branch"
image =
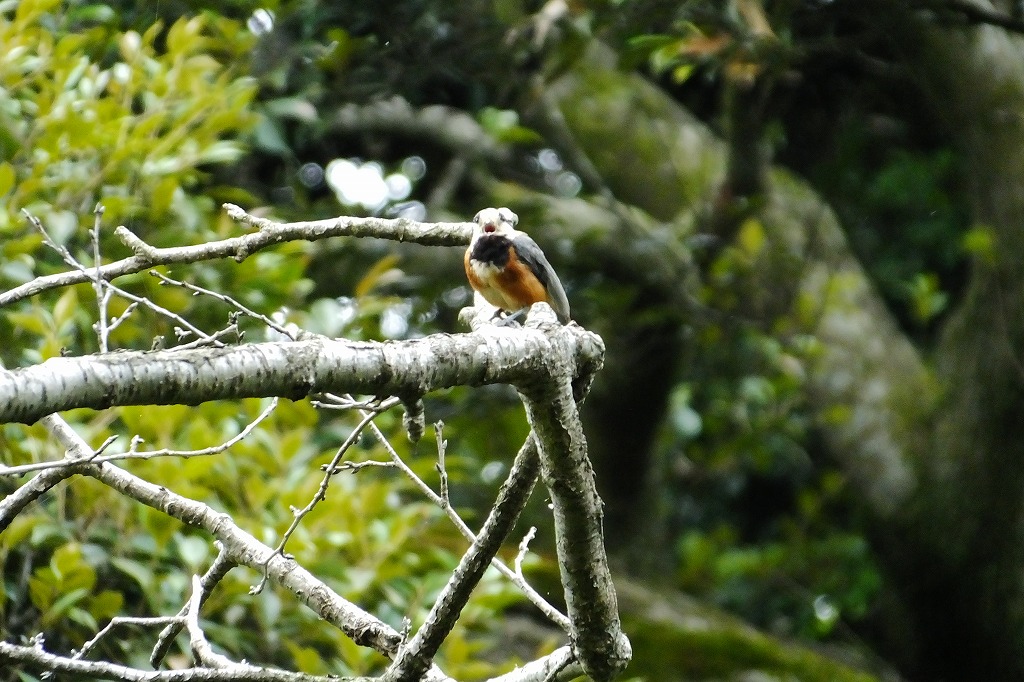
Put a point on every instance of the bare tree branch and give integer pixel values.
(36, 658)
(561, 663)
(517, 579)
(321, 493)
(220, 567)
(596, 633)
(146, 454)
(125, 620)
(239, 248)
(414, 657)
(239, 547)
(15, 503)
(544, 360)
(201, 649)
(291, 369)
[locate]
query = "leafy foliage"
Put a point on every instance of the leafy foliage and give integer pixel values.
(143, 122)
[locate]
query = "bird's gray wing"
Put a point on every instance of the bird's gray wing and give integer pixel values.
(533, 257)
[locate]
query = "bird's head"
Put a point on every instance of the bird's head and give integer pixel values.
(497, 221)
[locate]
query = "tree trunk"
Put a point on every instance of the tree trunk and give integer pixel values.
(651, 152)
(965, 581)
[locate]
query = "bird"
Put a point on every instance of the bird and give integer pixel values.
(509, 269)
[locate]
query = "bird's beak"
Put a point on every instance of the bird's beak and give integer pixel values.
(489, 227)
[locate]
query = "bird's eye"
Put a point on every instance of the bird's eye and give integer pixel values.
(508, 216)
(476, 218)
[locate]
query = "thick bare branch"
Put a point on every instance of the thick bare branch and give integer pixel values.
(415, 656)
(543, 360)
(290, 369)
(596, 633)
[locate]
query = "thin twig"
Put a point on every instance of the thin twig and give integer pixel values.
(347, 402)
(102, 293)
(535, 597)
(116, 321)
(329, 471)
(212, 339)
(218, 569)
(104, 289)
(224, 298)
(519, 581)
(124, 620)
(356, 466)
(524, 547)
(442, 446)
(150, 454)
(239, 248)
(36, 658)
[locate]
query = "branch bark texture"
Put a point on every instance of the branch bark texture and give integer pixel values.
(579, 534)
(289, 369)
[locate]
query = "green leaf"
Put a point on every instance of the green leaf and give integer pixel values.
(224, 151)
(41, 590)
(980, 241)
(65, 308)
(751, 237)
(66, 559)
(16, 271)
(7, 178)
(682, 73)
(137, 571)
(295, 108)
(61, 225)
(97, 14)
(106, 604)
(495, 121)
(194, 551)
(376, 276)
(269, 138)
(65, 602)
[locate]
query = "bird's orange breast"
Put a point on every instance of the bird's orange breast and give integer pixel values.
(510, 286)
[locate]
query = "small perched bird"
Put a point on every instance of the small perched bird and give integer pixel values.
(508, 268)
